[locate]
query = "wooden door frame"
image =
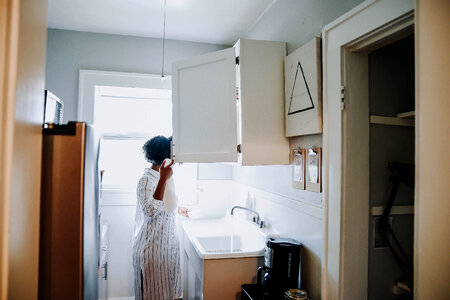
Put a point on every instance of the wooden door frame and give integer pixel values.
(345, 228)
(9, 49)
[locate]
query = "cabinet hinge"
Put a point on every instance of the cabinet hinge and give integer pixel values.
(239, 148)
(342, 97)
(237, 60)
(104, 271)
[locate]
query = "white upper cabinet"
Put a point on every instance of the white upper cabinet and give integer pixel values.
(204, 108)
(220, 102)
(261, 97)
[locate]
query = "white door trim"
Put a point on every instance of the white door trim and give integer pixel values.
(88, 79)
(363, 19)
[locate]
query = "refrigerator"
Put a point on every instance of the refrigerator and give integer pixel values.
(69, 232)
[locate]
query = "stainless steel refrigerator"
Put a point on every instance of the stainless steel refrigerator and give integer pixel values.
(68, 262)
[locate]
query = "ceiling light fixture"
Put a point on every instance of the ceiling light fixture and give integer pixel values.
(163, 42)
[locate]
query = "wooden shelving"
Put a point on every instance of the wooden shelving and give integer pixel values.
(402, 119)
(407, 115)
(396, 210)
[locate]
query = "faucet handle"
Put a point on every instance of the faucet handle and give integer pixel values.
(258, 222)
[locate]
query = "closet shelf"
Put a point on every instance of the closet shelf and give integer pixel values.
(395, 121)
(396, 210)
(407, 115)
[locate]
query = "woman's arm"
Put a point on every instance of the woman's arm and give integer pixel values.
(165, 172)
(159, 191)
(150, 196)
(145, 191)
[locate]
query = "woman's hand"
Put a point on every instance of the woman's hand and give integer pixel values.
(165, 170)
(183, 211)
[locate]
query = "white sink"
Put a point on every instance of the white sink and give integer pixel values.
(219, 244)
(225, 238)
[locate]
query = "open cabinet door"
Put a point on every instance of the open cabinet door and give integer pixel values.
(204, 108)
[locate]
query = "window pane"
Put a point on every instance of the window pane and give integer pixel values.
(123, 162)
(131, 110)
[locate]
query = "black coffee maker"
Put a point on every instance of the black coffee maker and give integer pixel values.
(282, 267)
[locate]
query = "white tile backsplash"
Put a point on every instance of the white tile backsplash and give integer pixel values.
(213, 199)
(276, 180)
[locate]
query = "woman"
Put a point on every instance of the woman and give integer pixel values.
(156, 253)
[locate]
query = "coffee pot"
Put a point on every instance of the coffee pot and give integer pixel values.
(281, 269)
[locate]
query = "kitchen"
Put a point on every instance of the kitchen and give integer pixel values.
(303, 215)
(71, 51)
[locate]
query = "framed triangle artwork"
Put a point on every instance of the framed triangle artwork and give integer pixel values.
(303, 90)
(301, 99)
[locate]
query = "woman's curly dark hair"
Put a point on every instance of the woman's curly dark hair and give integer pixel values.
(157, 149)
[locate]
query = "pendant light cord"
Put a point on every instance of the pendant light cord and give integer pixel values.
(163, 41)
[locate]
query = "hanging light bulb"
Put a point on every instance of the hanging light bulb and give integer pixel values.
(163, 42)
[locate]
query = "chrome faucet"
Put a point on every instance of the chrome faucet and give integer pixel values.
(256, 219)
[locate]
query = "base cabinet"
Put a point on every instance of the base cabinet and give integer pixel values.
(216, 279)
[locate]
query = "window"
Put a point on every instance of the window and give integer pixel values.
(126, 118)
(120, 110)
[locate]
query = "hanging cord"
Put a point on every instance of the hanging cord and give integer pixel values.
(163, 41)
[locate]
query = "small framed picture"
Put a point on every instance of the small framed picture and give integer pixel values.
(314, 170)
(298, 169)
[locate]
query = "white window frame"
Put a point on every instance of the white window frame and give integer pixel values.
(88, 79)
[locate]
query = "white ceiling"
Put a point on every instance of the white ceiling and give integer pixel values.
(210, 21)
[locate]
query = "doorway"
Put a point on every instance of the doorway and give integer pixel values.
(392, 140)
(378, 129)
